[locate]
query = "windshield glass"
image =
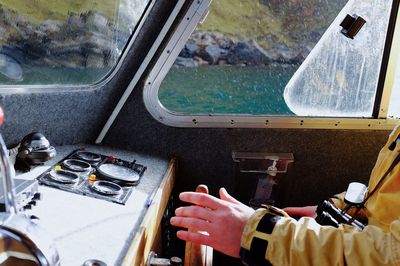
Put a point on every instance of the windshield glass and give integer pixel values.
(340, 76)
(241, 59)
(64, 42)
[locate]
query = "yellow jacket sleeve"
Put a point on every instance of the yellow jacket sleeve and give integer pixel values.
(270, 236)
(279, 240)
(384, 206)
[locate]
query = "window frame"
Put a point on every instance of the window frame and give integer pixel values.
(153, 50)
(52, 88)
(379, 120)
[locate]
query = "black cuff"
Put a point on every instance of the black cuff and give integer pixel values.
(256, 256)
(250, 259)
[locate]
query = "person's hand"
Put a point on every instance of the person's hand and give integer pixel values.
(222, 219)
(307, 211)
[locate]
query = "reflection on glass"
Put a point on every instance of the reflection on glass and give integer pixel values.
(340, 76)
(63, 41)
(13, 250)
(241, 58)
(10, 68)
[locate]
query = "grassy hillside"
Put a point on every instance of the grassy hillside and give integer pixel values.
(288, 21)
(233, 17)
(39, 10)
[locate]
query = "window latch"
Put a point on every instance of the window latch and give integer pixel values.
(352, 25)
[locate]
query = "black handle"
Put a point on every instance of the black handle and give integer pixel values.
(352, 25)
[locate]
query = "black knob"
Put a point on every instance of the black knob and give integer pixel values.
(34, 218)
(37, 196)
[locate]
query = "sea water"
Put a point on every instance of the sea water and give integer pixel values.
(256, 90)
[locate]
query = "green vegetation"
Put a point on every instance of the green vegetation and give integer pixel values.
(288, 21)
(278, 26)
(39, 10)
(237, 18)
(251, 19)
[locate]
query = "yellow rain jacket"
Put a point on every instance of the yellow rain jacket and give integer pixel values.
(271, 236)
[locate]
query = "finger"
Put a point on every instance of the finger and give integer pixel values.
(202, 189)
(191, 223)
(224, 195)
(195, 212)
(201, 199)
(196, 238)
(308, 211)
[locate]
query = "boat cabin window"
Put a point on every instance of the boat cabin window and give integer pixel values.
(62, 42)
(279, 63)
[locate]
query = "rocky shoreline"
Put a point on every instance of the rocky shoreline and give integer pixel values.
(211, 48)
(91, 40)
(83, 40)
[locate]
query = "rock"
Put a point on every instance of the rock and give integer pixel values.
(288, 55)
(14, 52)
(50, 27)
(281, 53)
(213, 53)
(200, 61)
(94, 61)
(190, 50)
(222, 62)
(74, 24)
(4, 35)
(186, 62)
(246, 53)
(95, 21)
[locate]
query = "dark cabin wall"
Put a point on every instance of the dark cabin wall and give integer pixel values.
(325, 160)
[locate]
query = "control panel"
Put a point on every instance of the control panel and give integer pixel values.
(26, 194)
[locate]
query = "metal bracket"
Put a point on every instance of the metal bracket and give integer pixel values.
(153, 260)
(265, 167)
(259, 162)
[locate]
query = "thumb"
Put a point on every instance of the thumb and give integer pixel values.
(223, 194)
